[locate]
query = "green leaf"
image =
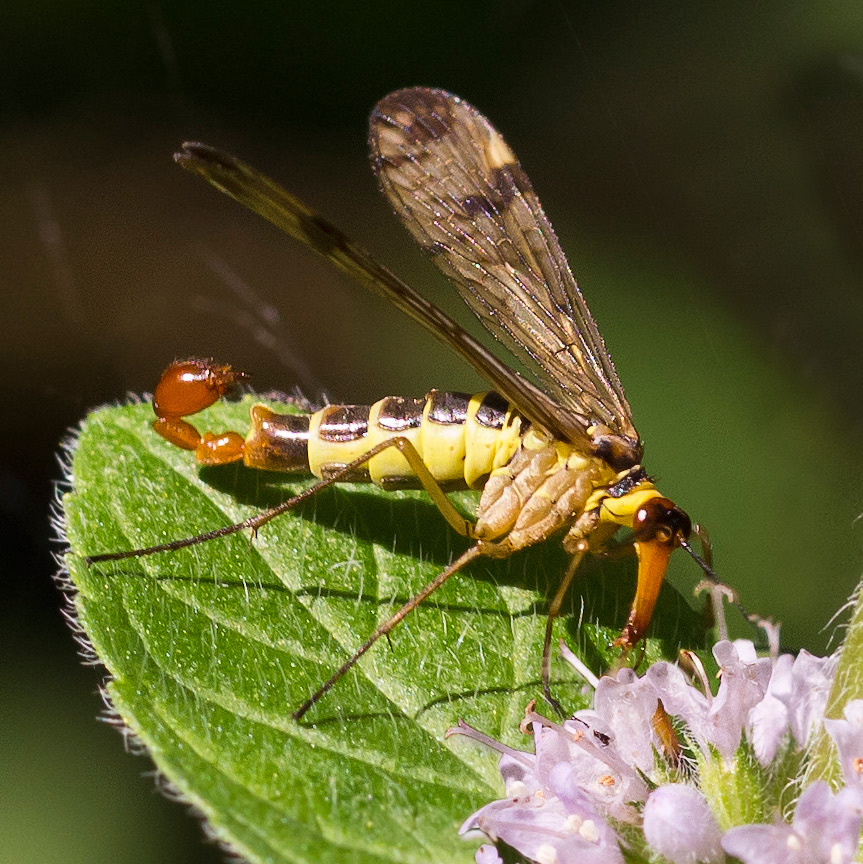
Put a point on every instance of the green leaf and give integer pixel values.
(210, 648)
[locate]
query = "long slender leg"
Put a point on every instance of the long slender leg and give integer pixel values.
(390, 623)
(553, 612)
(448, 511)
(455, 519)
(617, 551)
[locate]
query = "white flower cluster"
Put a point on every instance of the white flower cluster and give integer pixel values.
(668, 772)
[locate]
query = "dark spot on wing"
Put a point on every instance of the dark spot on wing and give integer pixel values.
(475, 205)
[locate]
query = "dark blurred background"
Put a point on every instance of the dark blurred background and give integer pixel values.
(701, 163)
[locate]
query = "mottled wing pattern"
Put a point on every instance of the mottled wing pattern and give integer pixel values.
(462, 194)
(267, 198)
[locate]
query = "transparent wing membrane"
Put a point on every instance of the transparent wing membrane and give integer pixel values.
(462, 194)
(464, 197)
(267, 198)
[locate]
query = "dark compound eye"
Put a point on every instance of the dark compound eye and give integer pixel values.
(661, 519)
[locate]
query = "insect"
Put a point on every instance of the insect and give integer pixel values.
(558, 454)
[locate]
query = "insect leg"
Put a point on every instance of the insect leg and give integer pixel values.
(383, 629)
(404, 445)
(553, 611)
(457, 522)
(616, 551)
(463, 526)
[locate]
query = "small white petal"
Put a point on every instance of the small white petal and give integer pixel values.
(826, 830)
(742, 687)
(812, 679)
(745, 650)
(487, 854)
(679, 825)
(848, 735)
(546, 854)
(589, 831)
(767, 727)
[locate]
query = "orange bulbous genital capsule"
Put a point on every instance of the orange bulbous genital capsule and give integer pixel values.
(189, 386)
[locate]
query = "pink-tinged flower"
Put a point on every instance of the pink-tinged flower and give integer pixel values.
(487, 854)
(546, 815)
(612, 748)
(812, 680)
(596, 767)
(583, 756)
(795, 700)
(768, 720)
(719, 721)
(548, 832)
(825, 830)
(741, 688)
(679, 825)
(627, 704)
(848, 735)
(680, 698)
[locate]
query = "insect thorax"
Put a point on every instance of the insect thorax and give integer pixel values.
(543, 489)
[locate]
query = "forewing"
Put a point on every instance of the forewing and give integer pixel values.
(267, 198)
(462, 194)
